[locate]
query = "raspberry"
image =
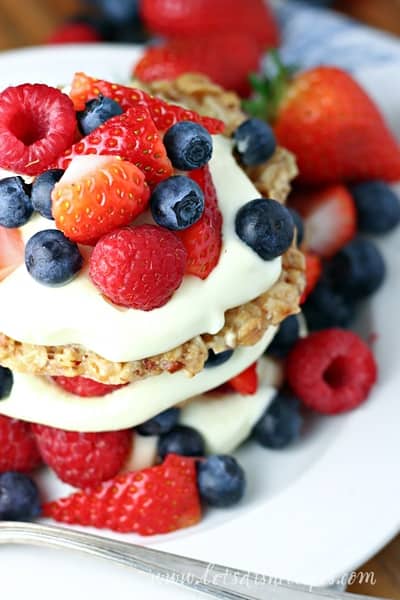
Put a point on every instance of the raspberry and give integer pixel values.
(83, 459)
(84, 387)
(138, 267)
(18, 449)
(37, 124)
(331, 370)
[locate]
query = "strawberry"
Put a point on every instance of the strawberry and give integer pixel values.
(83, 459)
(193, 18)
(203, 240)
(246, 382)
(329, 122)
(131, 136)
(95, 195)
(11, 251)
(164, 115)
(227, 58)
(155, 500)
(18, 449)
(84, 387)
(313, 274)
(75, 33)
(329, 217)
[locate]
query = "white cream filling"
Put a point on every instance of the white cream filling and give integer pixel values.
(78, 314)
(38, 400)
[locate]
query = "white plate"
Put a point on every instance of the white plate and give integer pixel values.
(312, 512)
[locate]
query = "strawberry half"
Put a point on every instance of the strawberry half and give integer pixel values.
(156, 500)
(97, 194)
(164, 115)
(329, 216)
(313, 274)
(131, 136)
(11, 251)
(246, 382)
(203, 240)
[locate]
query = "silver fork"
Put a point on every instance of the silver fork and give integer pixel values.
(215, 580)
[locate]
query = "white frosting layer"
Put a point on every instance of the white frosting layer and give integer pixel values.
(78, 314)
(38, 400)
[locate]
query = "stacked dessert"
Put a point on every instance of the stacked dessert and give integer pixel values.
(140, 269)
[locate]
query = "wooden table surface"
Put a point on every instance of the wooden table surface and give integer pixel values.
(31, 22)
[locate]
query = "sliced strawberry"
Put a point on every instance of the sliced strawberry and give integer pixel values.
(329, 216)
(313, 273)
(97, 194)
(131, 136)
(164, 115)
(11, 251)
(159, 499)
(246, 382)
(84, 387)
(75, 33)
(203, 240)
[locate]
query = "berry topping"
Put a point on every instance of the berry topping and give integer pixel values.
(326, 307)
(313, 274)
(42, 189)
(83, 459)
(6, 382)
(51, 258)
(15, 202)
(298, 223)
(266, 226)
(138, 267)
(329, 218)
(203, 240)
(254, 142)
(97, 112)
(164, 115)
(358, 270)
(131, 136)
(221, 480)
(75, 33)
(281, 423)
(182, 440)
(19, 451)
(189, 145)
(97, 194)
(37, 123)
(217, 359)
(246, 382)
(378, 207)
(161, 423)
(331, 371)
(11, 251)
(177, 203)
(84, 387)
(287, 336)
(19, 497)
(137, 502)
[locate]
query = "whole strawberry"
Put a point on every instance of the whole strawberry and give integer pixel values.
(159, 499)
(83, 459)
(18, 449)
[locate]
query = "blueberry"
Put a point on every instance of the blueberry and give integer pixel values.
(182, 440)
(326, 308)
(19, 497)
(15, 202)
(378, 207)
(287, 336)
(298, 223)
(357, 270)
(6, 382)
(189, 145)
(281, 423)
(41, 191)
(97, 112)
(215, 360)
(161, 423)
(177, 203)
(266, 226)
(118, 11)
(51, 258)
(221, 481)
(254, 142)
